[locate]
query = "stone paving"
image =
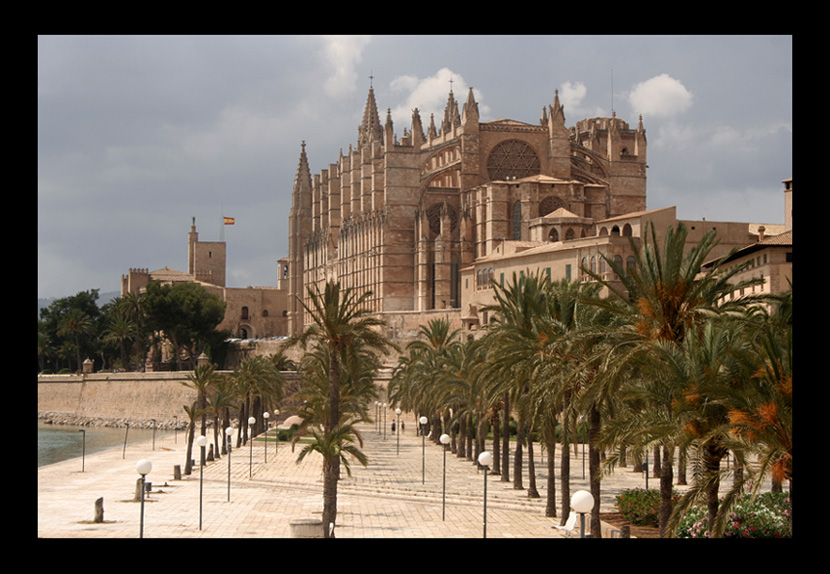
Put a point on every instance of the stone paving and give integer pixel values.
(399, 495)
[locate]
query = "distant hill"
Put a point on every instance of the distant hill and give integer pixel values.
(103, 298)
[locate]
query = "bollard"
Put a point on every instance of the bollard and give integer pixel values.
(99, 510)
(177, 472)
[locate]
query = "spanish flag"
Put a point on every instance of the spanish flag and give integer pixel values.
(228, 220)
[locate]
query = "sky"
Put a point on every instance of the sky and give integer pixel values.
(137, 135)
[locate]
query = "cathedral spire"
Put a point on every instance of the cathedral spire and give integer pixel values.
(470, 116)
(302, 181)
(451, 117)
(371, 129)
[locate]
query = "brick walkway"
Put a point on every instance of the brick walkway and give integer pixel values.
(391, 498)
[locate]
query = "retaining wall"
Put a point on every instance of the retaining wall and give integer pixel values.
(126, 396)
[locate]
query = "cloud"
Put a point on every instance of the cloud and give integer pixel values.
(571, 96)
(430, 95)
(660, 97)
(343, 53)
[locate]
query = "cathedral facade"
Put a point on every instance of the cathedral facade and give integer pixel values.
(403, 217)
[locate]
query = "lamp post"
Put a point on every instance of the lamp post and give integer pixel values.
(582, 502)
(201, 442)
(251, 421)
(143, 467)
(124, 450)
(276, 432)
(384, 420)
(423, 421)
(83, 448)
(266, 416)
(485, 459)
(229, 432)
(154, 433)
(445, 439)
(176, 429)
(398, 429)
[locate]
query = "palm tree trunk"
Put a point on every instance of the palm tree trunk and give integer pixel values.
(191, 432)
(550, 506)
(331, 474)
(713, 454)
(496, 446)
(666, 478)
(532, 492)
(331, 469)
(565, 463)
(517, 458)
(594, 428)
(505, 468)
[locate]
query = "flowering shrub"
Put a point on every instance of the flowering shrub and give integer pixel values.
(640, 506)
(767, 517)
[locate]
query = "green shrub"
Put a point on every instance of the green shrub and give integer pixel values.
(640, 507)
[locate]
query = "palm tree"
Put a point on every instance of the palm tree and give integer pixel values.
(194, 413)
(76, 324)
(131, 306)
(665, 297)
(201, 379)
(120, 330)
(259, 384)
(220, 400)
(513, 352)
(341, 324)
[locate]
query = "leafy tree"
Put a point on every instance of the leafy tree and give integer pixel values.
(185, 312)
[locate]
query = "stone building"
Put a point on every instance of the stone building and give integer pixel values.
(404, 217)
(252, 312)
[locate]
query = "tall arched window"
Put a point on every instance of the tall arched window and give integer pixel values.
(517, 221)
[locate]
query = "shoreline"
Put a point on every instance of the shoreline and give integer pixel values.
(71, 419)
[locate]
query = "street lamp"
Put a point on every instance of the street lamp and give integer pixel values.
(266, 416)
(83, 448)
(582, 502)
(229, 432)
(445, 439)
(126, 433)
(251, 422)
(143, 467)
(201, 442)
(398, 429)
(384, 420)
(154, 433)
(485, 459)
(423, 421)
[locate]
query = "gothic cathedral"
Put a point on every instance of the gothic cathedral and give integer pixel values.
(402, 217)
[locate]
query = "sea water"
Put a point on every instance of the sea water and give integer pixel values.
(56, 443)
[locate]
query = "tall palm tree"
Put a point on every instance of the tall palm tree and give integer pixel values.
(194, 413)
(667, 295)
(339, 322)
(259, 384)
(120, 330)
(201, 379)
(131, 305)
(76, 324)
(221, 398)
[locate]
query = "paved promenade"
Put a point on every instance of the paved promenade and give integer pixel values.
(391, 498)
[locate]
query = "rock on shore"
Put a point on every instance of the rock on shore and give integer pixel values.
(58, 418)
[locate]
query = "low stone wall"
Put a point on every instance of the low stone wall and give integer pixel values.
(113, 399)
